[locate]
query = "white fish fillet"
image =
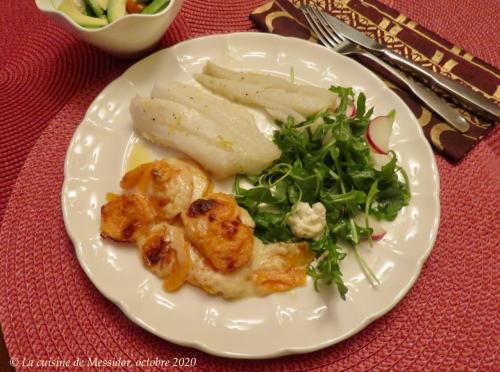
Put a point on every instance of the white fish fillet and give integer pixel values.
(268, 81)
(250, 94)
(279, 97)
(235, 119)
(223, 152)
(194, 97)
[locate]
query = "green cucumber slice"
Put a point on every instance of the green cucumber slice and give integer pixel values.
(96, 7)
(103, 4)
(116, 9)
(155, 6)
(81, 6)
(69, 8)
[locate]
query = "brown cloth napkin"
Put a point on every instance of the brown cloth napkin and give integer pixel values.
(413, 41)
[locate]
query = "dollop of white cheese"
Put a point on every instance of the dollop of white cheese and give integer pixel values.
(308, 221)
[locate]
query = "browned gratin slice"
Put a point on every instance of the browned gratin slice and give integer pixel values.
(124, 217)
(215, 226)
(170, 184)
(165, 252)
(280, 266)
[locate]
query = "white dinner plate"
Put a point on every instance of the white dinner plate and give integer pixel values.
(298, 321)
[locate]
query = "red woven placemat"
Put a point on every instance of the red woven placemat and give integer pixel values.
(51, 310)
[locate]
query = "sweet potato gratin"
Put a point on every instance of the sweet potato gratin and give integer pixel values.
(187, 233)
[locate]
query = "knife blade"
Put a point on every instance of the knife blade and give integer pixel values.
(463, 95)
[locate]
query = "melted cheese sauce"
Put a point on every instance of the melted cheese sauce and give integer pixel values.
(241, 283)
(229, 285)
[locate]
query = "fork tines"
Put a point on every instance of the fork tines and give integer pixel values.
(321, 27)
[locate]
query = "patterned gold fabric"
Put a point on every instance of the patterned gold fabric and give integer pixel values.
(411, 40)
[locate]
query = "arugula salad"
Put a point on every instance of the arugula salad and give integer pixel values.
(327, 159)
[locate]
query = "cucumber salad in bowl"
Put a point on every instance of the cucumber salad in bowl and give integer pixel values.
(99, 13)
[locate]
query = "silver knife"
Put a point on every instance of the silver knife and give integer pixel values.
(465, 96)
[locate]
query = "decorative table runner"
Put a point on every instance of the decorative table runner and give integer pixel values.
(51, 311)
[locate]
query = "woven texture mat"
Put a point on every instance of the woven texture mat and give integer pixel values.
(49, 308)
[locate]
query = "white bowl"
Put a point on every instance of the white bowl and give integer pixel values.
(126, 37)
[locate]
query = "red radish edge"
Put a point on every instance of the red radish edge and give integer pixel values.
(378, 236)
(379, 131)
(350, 108)
(378, 232)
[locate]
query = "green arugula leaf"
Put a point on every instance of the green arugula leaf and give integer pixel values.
(360, 106)
(328, 270)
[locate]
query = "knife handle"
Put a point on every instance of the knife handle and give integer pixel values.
(426, 95)
(466, 97)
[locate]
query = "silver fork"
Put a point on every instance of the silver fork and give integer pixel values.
(330, 38)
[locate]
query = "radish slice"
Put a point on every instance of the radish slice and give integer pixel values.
(350, 110)
(378, 231)
(379, 131)
(379, 160)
